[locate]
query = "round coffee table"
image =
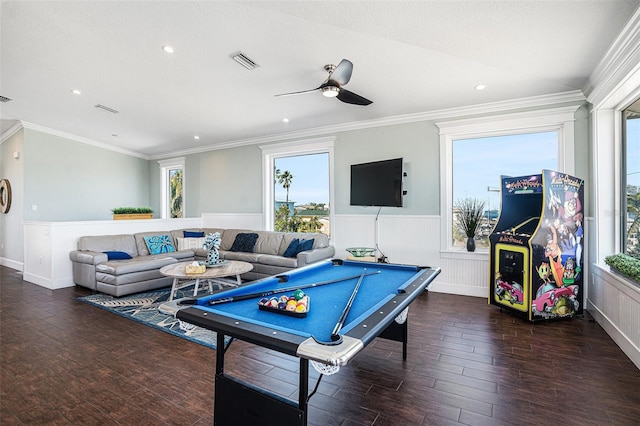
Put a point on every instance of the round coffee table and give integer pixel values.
(229, 268)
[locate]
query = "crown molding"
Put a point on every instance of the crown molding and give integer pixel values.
(621, 61)
(10, 131)
(76, 138)
(575, 96)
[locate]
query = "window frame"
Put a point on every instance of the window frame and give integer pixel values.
(624, 206)
(165, 167)
(560, 119)
(292, 149)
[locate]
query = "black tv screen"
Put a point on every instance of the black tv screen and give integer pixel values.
(378, 183)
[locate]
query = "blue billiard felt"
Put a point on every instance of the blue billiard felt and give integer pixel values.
(327, 302)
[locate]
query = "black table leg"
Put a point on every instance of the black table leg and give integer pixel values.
(303, 391)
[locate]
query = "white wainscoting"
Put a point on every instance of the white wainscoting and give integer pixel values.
(615, 304)
(403, 239)
(415, 240)
(47, 244)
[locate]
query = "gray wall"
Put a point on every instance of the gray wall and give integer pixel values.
(11, 230)
(418, 145)
(69, 180)
(225, 181)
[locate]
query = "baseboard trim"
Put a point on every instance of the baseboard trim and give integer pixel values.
(9, 263)
(462, 290)
(46, 282)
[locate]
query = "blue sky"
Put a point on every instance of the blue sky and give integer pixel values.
(310, 178)
(479, 163)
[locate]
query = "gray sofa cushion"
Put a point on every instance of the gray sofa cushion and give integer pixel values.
(287, 262)
(268, 242)
(137, 264)
(102, 243)
(240, 255)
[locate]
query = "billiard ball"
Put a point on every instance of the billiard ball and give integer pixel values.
(298, 294)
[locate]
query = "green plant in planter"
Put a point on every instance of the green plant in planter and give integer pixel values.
(469, 212)
(624, 264)
(131, 210)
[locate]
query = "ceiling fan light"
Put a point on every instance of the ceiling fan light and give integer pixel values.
(330, 91)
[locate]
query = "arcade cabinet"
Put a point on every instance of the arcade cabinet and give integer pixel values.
(535, 262)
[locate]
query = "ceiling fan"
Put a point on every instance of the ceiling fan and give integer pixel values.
(332, 87)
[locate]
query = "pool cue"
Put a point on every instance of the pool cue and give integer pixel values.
(335, 334)
(284, 290)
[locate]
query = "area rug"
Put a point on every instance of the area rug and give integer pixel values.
(143, 307)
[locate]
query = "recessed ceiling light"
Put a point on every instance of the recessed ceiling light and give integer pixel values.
(196, 137)
(76, 92)
(285, 120)
(480, 87)
(167, 49)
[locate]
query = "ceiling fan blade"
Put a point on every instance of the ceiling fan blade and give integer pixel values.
(298, 93)
(351, 98)
(342, 73)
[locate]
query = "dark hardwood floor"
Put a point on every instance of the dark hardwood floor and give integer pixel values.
(66, 362)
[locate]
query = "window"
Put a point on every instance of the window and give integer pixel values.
(474, 153)
(172, 187)
(631, 179)
(298, 182)
(478, 164)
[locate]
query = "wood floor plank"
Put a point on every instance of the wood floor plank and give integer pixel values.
(65, 362)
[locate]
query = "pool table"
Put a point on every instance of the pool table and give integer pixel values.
(377, 310)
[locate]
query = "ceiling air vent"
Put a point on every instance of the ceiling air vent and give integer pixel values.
(4, 99)
(106, 108)
(244, 60)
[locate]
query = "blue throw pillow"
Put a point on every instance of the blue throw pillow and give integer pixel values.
(193, 234)
(304, 245)
(291, 250)
(117, 255)
(244, 242)
(159, 244)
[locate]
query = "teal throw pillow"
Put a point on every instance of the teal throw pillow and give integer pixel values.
(159, 244)
(291, 250)
(304, 245)
(244, 242)
(117, 255)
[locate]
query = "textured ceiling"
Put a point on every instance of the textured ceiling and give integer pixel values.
(409, 58)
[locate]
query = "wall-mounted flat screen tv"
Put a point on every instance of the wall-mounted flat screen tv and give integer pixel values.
(378, 183)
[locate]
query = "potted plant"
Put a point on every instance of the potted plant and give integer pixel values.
(127, 213)
(469, 212)
(625, 265)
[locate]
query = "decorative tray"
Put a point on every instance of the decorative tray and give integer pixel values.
(361, 251)
(220, 263)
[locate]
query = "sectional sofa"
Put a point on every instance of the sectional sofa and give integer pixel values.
(123, 264)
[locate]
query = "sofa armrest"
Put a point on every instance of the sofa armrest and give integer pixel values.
(88, 257)
(315, 255)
